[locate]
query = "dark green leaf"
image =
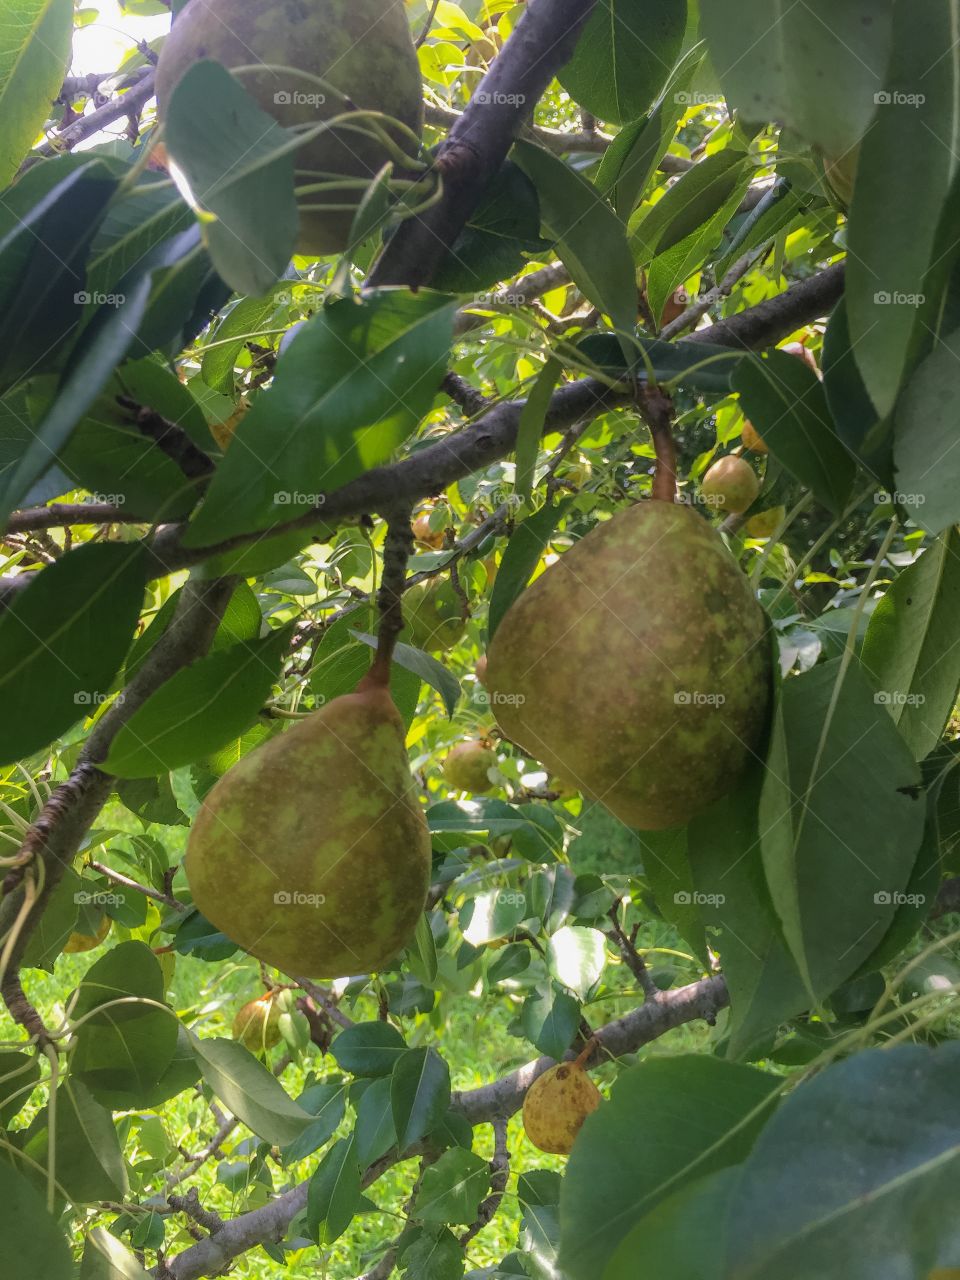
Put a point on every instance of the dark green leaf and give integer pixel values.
(451, 1190)
(19, 1073)
(369, 1049)
(250, 1091)
(36, 55)
(419, 1094)
(550, 1018)
(105, 1258)
(375, 1132)
(31, 1243)
(520, 559)
(333, 1196)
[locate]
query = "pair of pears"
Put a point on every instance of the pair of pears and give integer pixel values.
(638, 667)
(312, 853)
(361, 49)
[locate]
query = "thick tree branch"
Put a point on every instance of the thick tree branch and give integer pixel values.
(129, 103)
(542, 42)
(489, 1103)
(61, 514)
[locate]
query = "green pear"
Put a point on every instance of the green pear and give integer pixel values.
(433, 616)
(257, 1024)
(730, 485)
(312, 853)
(638, 667)
(362, 48)
(467, 766)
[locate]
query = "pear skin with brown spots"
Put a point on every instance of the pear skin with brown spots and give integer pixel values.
(313, 853)
(556, 1105)
(638, 667)
(361, 48)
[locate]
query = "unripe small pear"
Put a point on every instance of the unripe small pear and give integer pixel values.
(467, 767)
(257, 1024)
(752, 439)
(556, 1105)
(730, 485)
(433, 616)
(765, 523)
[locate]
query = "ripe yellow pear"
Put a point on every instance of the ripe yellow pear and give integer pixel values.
(257, 1024)
(730, 485)
(638, 667)
(312, 853)
(362, 48)
(556, 1105)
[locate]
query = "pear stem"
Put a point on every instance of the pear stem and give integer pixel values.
(397, 548)
(656, 409)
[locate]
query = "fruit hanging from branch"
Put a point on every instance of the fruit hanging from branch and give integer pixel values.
(313, 853)
(638, 666)
(434, 616)
(257, 1024)
(556, 1105)
(730, 485)
(320, 59)
(467, 767)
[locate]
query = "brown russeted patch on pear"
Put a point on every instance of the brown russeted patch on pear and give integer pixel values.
(312, 853)
(556, 1105)
(362, 49)
(637, 666)
(257, 1024)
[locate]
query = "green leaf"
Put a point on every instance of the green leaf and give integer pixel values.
(668, 1122)
(436, 1255)
(31, 1243)
(576, 957)
(532, 419)
(326, 1102)
(910, 648)
(231, 335)
(623, 55)
(200, 710)
(697, 365)
(899, 259)
(925, 434)
(135, 224)
(814, 68)
(521, 557)
(105, 1258)
(419, 1094)
(34, 57)
(451, 1190)
(784, 400)
(694, 199)
(420, 664)
(550, 1018)
(89, 1162)
(62, 641)
(591, 240)
(127, 1048)
(873, 1157)
(375, 1132)
(346, 394)
(683, 1237)
(369, 1049)
(19, 1073)
(492, 915)
(227, 151)
(333, 1196)
(250, 1091)
(55, 925)
(868, 438)
(841, 817)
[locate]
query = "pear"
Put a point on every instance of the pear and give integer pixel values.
(467, 766)
(433, 616)
(638, 667)
(753, 441)
(765, 523)
(362, 48)
(312, 853)
(730, 485)
(556, 1105)
(87, 941)
(257, 1024)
